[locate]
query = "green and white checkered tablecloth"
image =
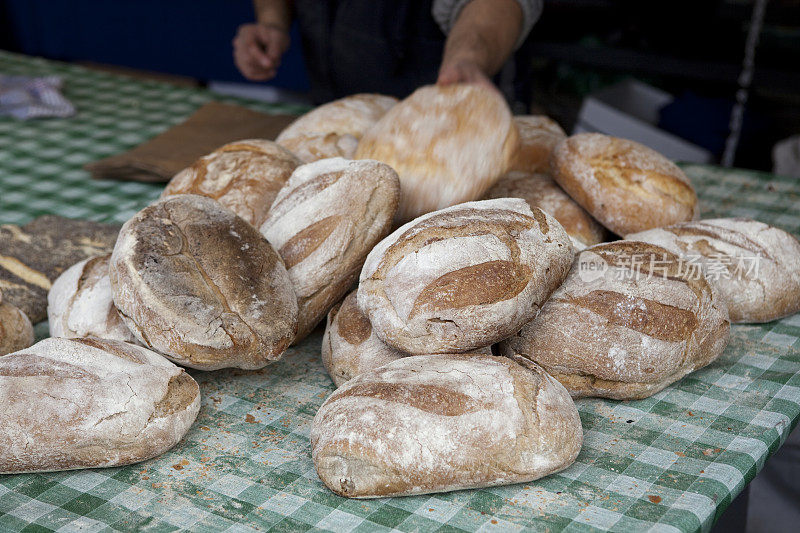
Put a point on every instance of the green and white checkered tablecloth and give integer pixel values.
(672, 462)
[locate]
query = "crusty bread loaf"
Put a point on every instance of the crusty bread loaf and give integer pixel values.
(199, 284)
(350, 346)
(436, 423)
(16, 330)
(333, 129)
(80, 303)
(539, 190)
(538, 135)
(628, 321)
(87, 403)
(755, 266)
(324, 222)
(448, 144)
(244, 176)
(463, 277)
(626, 186)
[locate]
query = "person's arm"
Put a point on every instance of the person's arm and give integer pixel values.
(483, 36)
(258, 47)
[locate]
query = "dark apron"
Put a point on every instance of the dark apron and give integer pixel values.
(378, 46)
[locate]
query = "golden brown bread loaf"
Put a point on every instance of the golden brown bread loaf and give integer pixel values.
(333, 129)
(628, 321)
(324, 222)
(448, 144)
(538, 135)
(199, 284)
(244, 176)
(755, 266)
(436, 423)
(16, 330)
(80, 303)
(463, 277)
(625, 185)
(539, 190)
(88, 403)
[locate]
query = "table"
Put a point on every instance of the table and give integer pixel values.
(672, 462)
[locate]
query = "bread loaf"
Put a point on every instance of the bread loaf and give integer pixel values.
(80, 303)
(88, 403)
(244, 176)
(324, 222)
(333, 129)
(16, 330)
(755, 266)
(436, 423)
(448, 144)
(538, 136)
(463, 277)
(626, 186)
(628, 321)
(199, 284)
(539, 190)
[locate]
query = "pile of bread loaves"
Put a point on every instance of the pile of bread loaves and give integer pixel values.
(458, 341)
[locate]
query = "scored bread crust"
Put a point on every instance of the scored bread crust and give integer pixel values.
(754, 265)
(436, 423)
(463, 277)
(315, 146)
(625, 185)
(538, 135)
(627, 327)
(448, 145)
(200, 285)
(244, 176)
(323, 223)
(539, 190)
(80, 303)
(110, 403)
(16, 330)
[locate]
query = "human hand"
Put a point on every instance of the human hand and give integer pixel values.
(257, 50)
(463, 71)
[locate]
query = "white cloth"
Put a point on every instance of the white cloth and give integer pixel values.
(786, 157)
(445, 13)
(24, 97)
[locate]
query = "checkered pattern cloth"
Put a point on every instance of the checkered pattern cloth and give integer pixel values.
(672, 462)
(24, 97)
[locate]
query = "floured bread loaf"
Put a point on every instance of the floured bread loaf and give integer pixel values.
(88, 403)
(350, 346)
(323, 223)
(625, 185)
(538, 135)
(244, 176)
(436, 423)
(755, 266)
(539, 190)
(448, 144)
(16, 330)
(628, 321)
(199, 284)
(463, 277)
(80, 303)
(333, 129)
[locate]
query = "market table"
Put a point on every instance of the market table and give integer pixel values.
(672, 462)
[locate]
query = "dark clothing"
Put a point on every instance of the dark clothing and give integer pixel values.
(354, 46)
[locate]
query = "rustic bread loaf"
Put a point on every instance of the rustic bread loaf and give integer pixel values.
(88, 403)
(755, 266)
(199, 284)
(324, 222)
(333, 129)
(463, 277)
(538, 135)
(626, 186)
(436, 423)
(350, 346)
(244, 176)
(80, 303)
(628, 321)
(539, 190)
(16, 330)
(448, 144)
